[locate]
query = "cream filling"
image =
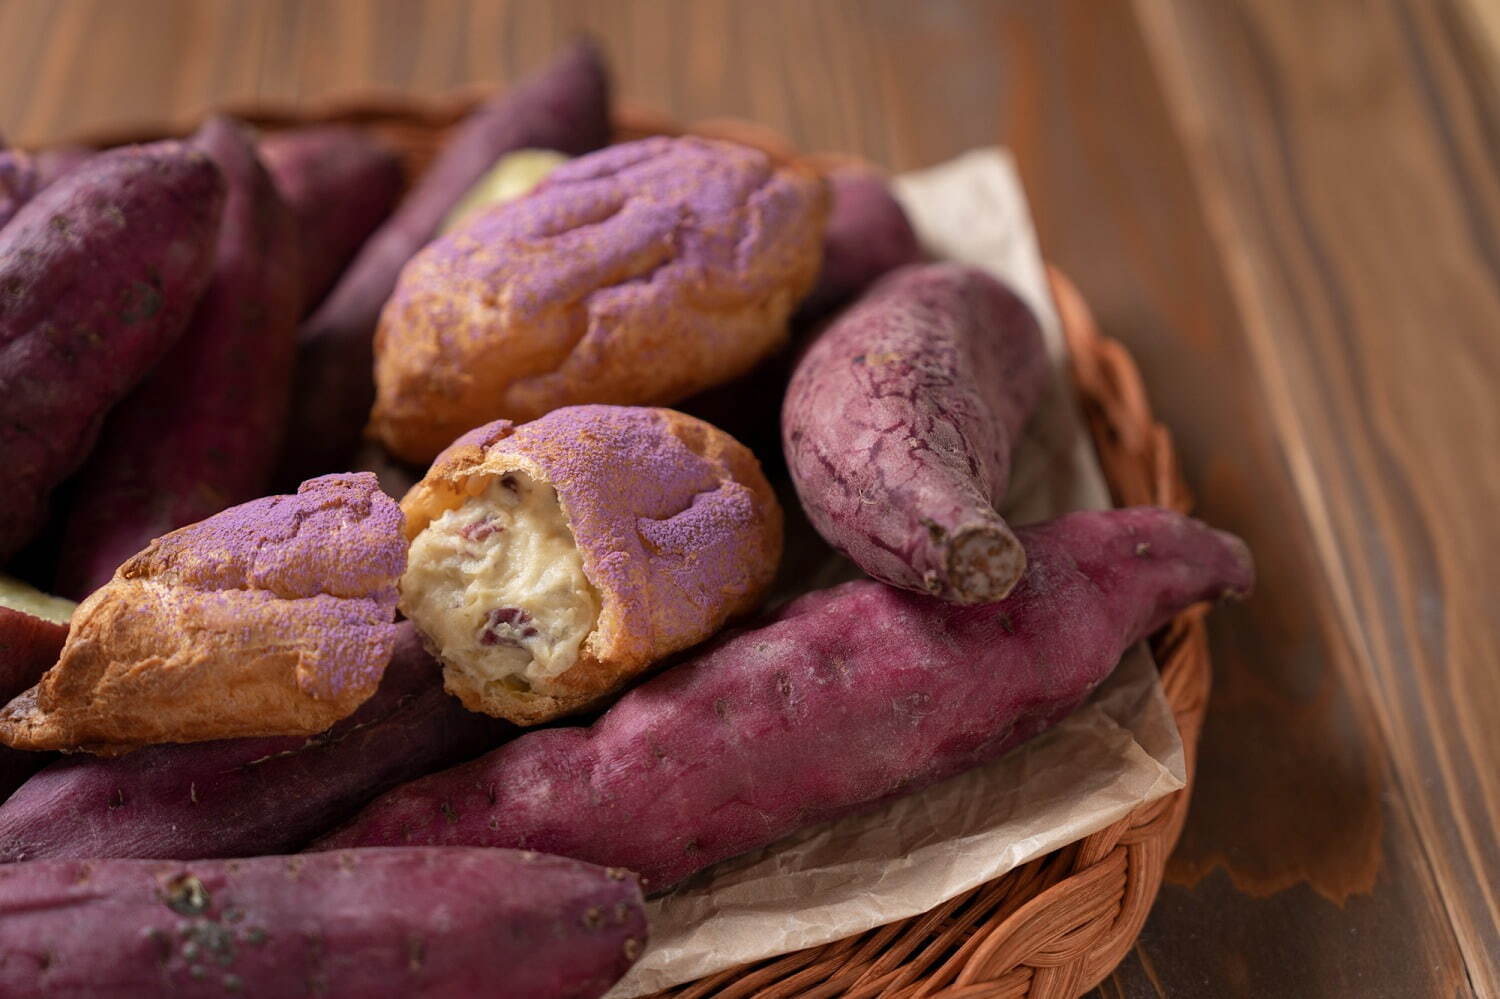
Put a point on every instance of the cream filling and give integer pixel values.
(497, 585)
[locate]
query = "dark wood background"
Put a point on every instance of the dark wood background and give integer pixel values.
(1289, 210)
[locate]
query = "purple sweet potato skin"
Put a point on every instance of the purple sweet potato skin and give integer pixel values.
(54, 163)
(849, 697)
(204, 430)
(868, 235)
(565, 108)
(98, 276)
(243, 797)
(19, 182)
(363, 924)
(340, 183)
(29, 645)
(899, 422)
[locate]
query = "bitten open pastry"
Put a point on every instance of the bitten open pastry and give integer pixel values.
(640, 274)
(553, 561)
(275, 617)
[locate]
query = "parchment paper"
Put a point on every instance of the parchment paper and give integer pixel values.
(1118, 751)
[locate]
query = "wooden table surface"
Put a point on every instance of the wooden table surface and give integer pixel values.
(1290, 211)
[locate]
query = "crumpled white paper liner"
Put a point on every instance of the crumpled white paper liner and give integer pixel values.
(1117, 752)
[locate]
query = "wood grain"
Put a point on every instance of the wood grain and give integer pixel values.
(1287, 210)
(1370, 233)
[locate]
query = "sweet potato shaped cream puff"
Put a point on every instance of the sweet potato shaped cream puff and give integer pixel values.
(552, 562)
(640, 274)
(275, 617)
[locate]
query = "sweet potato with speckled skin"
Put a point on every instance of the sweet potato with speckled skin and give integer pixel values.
(638, 275)
(245, 797)
(340, 183)
(364, 924)
(274, 617)
(565, 108)
(868, 235)
(898, 426)
(204, 430)
(98, 276)
(848, 697)
(670, 526)
(18, 182)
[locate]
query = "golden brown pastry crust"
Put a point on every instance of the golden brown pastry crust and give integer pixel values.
(639, 275)
(275, 617)
(678, 528)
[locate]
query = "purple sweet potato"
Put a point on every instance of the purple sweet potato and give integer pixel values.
(566, 108)
(868, 234)
(241, 797)
(340, 183)
(54, 163)
(898, 426)
(33, 627)
(18, 182)
(98, 276)
(849, 697)
(204, 430)
(364, 924)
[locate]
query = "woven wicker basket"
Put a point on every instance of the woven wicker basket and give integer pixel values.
(1055, 927)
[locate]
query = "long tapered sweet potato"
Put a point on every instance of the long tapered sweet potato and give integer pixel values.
(204, 430)
(98, 276)
(364, 924)
(272, 618)
(566, 109)
(850, 696)
(898, 426)
(340, 183)
(243, 797)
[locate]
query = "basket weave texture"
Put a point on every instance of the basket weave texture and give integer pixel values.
(1056, 926)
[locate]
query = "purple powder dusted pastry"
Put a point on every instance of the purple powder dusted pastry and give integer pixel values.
(640, 274)
(274, 617)
(246, 797)
(552, 562)
(868, 235)
(566, 108)
(898, 427)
